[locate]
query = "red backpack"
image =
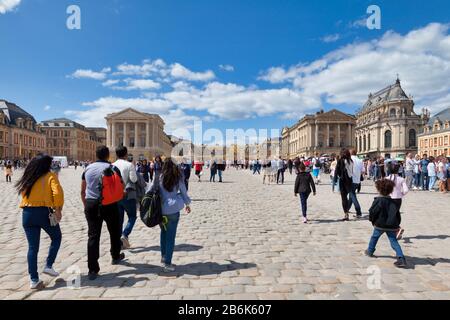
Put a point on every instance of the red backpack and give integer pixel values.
(111, 187)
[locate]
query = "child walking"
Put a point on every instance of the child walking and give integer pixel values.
(303, 185)
(385, 218)
(400, 190)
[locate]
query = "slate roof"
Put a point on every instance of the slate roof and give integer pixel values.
(390, 93)
(14, 112)
(442, 116)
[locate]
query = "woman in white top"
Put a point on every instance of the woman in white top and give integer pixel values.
(431, 174)
(400, 190)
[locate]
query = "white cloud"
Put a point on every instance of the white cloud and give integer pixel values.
(232, 101)
(331, 38)
(47, 108)
(110, 83)
(8, 5)
(133, 84)
(360, 23)
(349, 74)
(90, 74)
(226, 67)
(180, 72)
(145, 69)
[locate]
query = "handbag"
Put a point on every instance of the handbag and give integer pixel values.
(52, 217)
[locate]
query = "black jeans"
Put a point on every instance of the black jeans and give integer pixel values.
(280, 173)
(95, 215)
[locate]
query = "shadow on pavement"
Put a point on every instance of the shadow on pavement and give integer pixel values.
(180, 247)
(204, 200)
(417, 261)
(440, 237)
(129, 277)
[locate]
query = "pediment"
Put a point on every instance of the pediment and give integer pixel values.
(334, 115)
(129, 114)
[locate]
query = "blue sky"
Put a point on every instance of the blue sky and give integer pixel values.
(233, 64)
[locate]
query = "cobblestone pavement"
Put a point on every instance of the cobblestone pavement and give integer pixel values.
(243, 240)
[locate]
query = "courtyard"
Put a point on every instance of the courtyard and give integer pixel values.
(243, 240)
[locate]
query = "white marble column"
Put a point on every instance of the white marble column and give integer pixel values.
(155, 134)
(125, 134)
(113, 134)
(147, 135)
(136, 134)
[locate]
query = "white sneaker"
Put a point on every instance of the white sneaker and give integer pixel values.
(37, 285)
(125, 242)
(305, 220)
(169, 268)
(51, 272)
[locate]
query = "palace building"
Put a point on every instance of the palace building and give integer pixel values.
(434, 141)
(71, 139)
(322, 133)
(387, 125)
(142, 133)
(20, 136)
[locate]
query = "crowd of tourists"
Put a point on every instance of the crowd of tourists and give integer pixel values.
(122, 187)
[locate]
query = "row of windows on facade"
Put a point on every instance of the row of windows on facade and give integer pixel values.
(66, 134)
(437, 127)
(21, 123)
(295, 145)
(18, 153)
(25, 140)
(434, 142)
(65, 143)
(363, 143)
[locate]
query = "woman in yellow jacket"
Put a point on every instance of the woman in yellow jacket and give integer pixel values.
(42, 202)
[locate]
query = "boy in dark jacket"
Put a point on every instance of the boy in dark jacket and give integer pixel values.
(385, 217)
(303, 185)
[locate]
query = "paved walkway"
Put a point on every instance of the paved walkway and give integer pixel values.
(243, 240)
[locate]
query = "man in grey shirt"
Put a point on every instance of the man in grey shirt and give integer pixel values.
(97, 213)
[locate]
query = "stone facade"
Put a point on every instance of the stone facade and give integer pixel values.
(323, 133)
(142, 133)
(387, 124)
(20, 136)
(71, 139)
(100, 134)
(435, 139)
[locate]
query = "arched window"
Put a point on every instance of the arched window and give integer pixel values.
(368, 141)
(388, 139)
(393, 112)
(360, 144)
(356, 144)
(365, 143)
(412, 138)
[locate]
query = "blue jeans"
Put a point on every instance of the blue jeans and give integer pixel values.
(417, 180)
(304, 202)
(392, 236)
(424, 180)
(33, 220)
(220, 175)
(168, 235)
(432, 182)
(335, 184)
(353, 199)
(130, 207)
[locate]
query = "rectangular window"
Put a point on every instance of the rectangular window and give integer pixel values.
(446, 140)
(1, 136)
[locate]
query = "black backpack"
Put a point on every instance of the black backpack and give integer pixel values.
(151, 209)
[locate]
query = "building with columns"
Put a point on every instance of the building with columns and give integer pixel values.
(20, 136)
(387, 125)
(142, 133)
(435, 138)
(322, 133)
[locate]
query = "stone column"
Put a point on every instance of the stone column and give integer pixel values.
(338, 135)
(316, 143)
(136, 134)
(113, 134)
(108, 134)
(328, 136)
(125, 134)
(147, 135)
(155, 134)
(349, 133)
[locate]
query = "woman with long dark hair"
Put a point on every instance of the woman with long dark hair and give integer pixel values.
(42, 203)
(174, 198)
(344, 171)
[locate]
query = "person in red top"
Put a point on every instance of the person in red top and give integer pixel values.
(198, 166)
